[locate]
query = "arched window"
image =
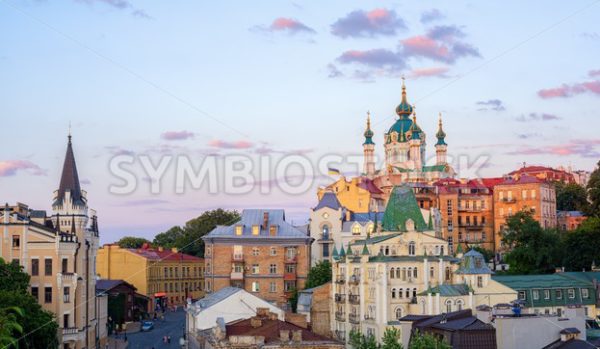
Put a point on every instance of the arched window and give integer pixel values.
(401, 293)
(415, 275)
(459, 304)
(437, 250)
(326, 231)
(370, 228)
(392, 273)
(411, 248)
(448, 306)
(442, 250)
(423, 307)
(397, 273)
(356, 229)
(393, 293)
(414, 293)
(431, 272)
(387, 251)
(409, 272)
(408, 293)
(448, 274)
(398, 313)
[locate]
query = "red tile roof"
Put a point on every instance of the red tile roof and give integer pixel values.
(164, 255)
(270, 330)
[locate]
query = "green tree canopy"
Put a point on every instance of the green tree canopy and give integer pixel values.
(189, 238)
(427, 341)
(571, 197)
(38, 323)
(319, 274)
(533, 250)
(593, 188)
(132, 242)
(582, 246)
(10, 327)
(390, 339)
(359, 341)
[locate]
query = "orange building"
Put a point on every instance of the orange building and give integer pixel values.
(570, 220)
(525, 193)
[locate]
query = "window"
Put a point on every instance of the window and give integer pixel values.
(392, 273)
(238, 230)
(47, 294)
(559, 294)
(325, 232)
(431, 272)
(238, 252)
(16, 241)
(208, 251)
(398, 313)
(356, 229)
(273, 230)
(571, 293)
(400, 293)
(393, 293)
(273, 269)
(66, 294)
(255, 230)
(448, 273)
(411, 248)
(255, 251)
(291, 268)
(522, 295)
(65, 265)
(533, 192)
(325, 250)
(449, 204)
(48, 267)
(255, 269)
(585, 293)
(536, 295)
(546, 294)
(524, 194)
(35, 267)
(459, 305)
(448, 306)
(273, 251)
(35, 292)
(289, 286)
(272, 287)
(415, 275)
(480, 281)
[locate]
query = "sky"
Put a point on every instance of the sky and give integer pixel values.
(515, 82)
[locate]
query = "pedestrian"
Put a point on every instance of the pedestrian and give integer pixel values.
(169, 339)
(165, 339)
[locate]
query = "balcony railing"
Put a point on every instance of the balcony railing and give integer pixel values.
(509, 199)
(291, 259)
(341, 335)
(354, 318)
(340, 279)
(340, 298)
(237, 275)
(369, 317)
(354, 299)
(340, 316)
(289, 276)
(354, 280)
(470, 209)
(238, 258)
(325, 238)
(70, 331)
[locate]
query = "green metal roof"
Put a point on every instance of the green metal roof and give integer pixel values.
(374, 240)
(402, 206)
(434, 168)
(448, 290)
(520, 282)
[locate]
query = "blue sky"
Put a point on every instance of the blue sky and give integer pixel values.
(516, 82)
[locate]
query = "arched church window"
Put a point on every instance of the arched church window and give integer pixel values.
(448, 274)
(356, 229)
(448, 306)
(398, 313)
(411, 248)
(326, 231)
(393, 293)
(397, 273)
(392, 273)
(459, 304)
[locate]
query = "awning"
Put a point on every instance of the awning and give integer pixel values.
(160, 294)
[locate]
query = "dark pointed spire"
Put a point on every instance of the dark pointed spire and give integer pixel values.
(69, 180)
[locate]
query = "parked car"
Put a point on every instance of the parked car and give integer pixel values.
(147, 326)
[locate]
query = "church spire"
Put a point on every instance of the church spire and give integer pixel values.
(368, 133)
(69, 180)
(404, 109)
(441, 135)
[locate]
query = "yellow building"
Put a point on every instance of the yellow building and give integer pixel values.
(167, 276)
(56, 250)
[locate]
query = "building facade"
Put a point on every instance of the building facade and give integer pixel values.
(399, 270)
(262, 254)
(58, 252)
(166, 276)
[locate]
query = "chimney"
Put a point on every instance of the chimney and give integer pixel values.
(297, 336)
(348, 215)
(255, 322)
(284, 335)
(265, 220)
(174, 250)
(160, 249)
(262, 312)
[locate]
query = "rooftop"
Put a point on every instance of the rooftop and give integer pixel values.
(257, 218)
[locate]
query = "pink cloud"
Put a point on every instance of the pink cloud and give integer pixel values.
(593, 73)
(565, 90)
(218, 143)
(176, 135)
(290, 25)
(11, 167)
(585, 148)
(427, 72)
(372, 23)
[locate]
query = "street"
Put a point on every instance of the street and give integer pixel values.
(173, 326)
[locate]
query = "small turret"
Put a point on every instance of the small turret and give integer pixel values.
(441, 148)
(369, 150)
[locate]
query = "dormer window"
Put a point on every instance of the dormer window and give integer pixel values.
(238, 229)
(255, 230)
(273, 230)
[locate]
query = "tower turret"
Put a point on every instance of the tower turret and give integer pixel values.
(441, 147)
(415, 143)
(369, 150)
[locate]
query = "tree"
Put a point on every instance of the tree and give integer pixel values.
(10, 327)
(189, 238)
(427, 341)
(571, 197)
(583, 246)
(359, 341)
(38, 323)
(593, 188)
(390, 339)
(533, 250)
(319, 274)
(132, 242)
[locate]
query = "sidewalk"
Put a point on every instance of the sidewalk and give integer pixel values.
(116, 343)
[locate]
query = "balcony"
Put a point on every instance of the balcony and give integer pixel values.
(354, 299)
(341, 335)
(291, 259)
(354, 318)
(354, 280)
(238, 258)
(237, 275)
(68, 277)
(340, 316)
(340, 279)
(369, 317)
(70, 334)
(470, 209)
(340, 298)
(508, 200)
(289, 276)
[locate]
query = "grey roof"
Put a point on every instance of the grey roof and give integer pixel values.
(347, 226)
(69, 180)
(570, 344)
(217, 297)
(37, 214)
(468, 323)
(473, 262)
(330, 200)
(368, 216)
(108, 284)
(255, 217)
